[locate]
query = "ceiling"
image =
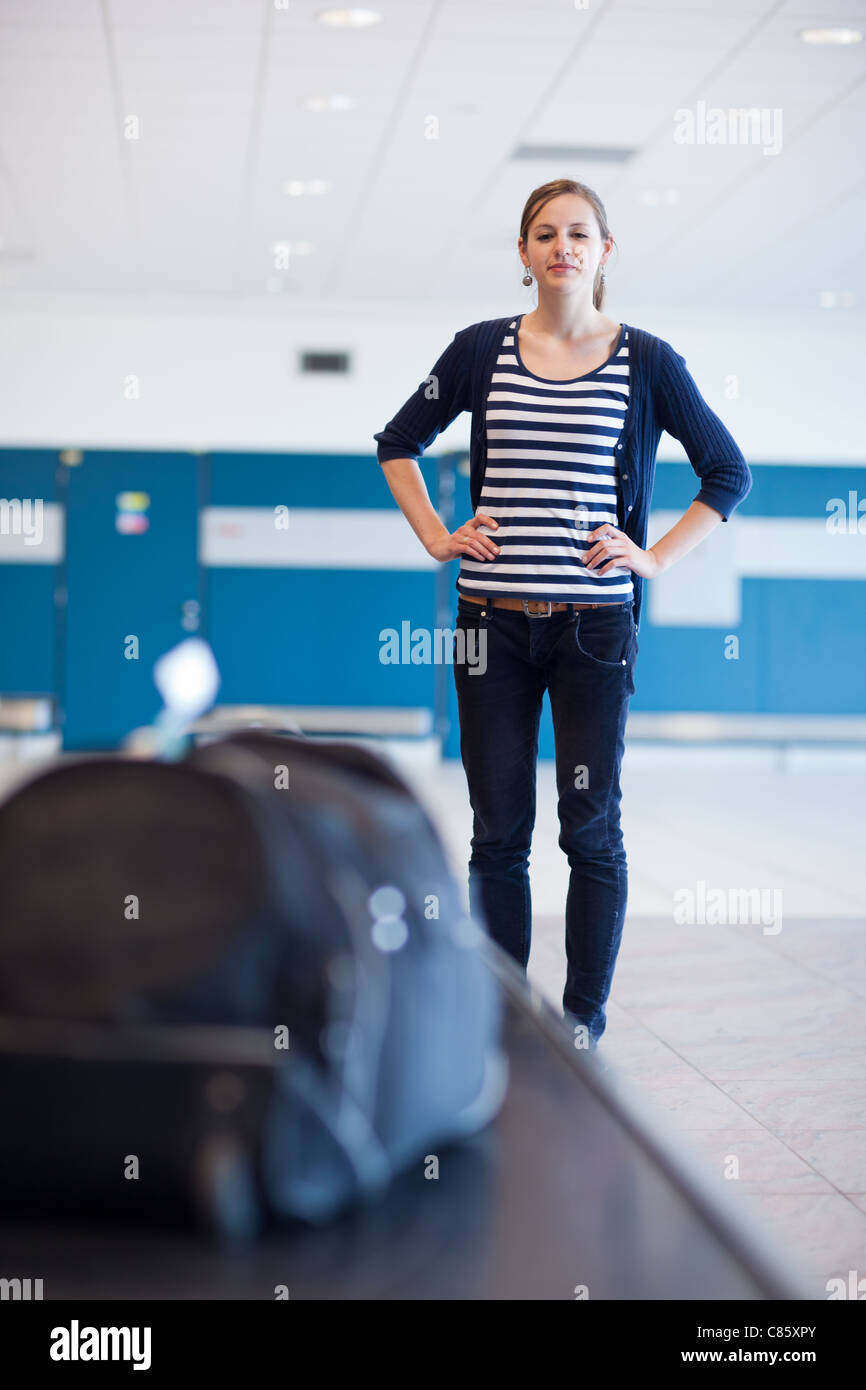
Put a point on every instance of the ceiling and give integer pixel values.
(213, 93)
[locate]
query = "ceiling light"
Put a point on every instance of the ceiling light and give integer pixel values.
(831, 35)
(336, 102)
(836, 299)
(297, 188)
(350, 19)
(282, 251)
(652, 196)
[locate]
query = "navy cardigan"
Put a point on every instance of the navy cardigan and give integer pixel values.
(662, 396)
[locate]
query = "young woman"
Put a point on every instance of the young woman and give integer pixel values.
(568, 407)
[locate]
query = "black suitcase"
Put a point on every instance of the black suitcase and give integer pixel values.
(280, 904)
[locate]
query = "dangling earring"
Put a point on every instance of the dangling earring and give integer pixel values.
(602, 274)
(527, 279)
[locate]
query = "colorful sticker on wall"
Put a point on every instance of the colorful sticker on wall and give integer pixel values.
(132, 508)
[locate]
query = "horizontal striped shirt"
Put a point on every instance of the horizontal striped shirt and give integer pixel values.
(663, 395)
(551, 478)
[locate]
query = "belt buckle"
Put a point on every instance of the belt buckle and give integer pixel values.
(527, 601)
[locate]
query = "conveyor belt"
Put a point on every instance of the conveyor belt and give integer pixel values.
(567, 1189)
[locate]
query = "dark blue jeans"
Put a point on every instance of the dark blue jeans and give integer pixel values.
(503, 664)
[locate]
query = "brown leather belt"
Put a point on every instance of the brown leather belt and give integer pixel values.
(532, 605)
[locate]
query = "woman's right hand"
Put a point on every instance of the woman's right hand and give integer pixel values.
(467, 540)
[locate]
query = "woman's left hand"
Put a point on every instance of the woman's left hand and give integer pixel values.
(612, 549)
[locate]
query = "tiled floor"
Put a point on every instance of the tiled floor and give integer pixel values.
(748, 1045)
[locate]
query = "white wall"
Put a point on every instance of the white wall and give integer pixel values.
(221, 376)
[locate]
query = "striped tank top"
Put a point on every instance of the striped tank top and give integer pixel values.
(551, 478)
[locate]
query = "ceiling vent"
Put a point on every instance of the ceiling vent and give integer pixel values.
(325, 362)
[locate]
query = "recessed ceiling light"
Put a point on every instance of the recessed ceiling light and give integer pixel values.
(653, 196)
(836, 299)
(336, 102)
(350, 19)
(298, 188)
(831, 35)
(282, 251)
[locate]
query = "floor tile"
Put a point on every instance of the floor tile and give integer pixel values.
(840, 1155)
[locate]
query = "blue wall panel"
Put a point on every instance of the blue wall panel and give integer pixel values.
(122, 585)
(814, 645)
(310, 636)
(303, 480)
(28, 647)
(778, 489)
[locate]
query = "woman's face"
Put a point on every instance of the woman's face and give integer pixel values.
(565, 232)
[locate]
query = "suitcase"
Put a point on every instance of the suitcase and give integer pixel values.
(276, 902)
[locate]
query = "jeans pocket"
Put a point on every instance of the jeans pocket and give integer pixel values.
(605, 635)
(471, 631)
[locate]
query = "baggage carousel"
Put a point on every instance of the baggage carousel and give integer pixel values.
(570, 1193)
